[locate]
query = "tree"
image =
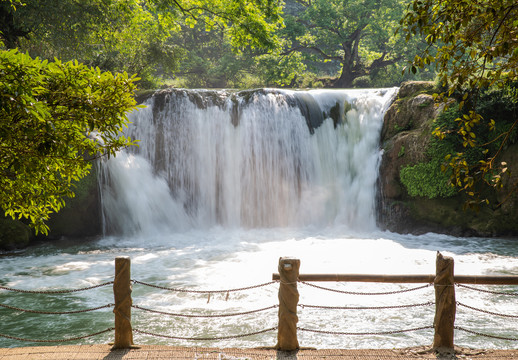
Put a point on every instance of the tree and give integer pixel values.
(53, 116)
(116, 36)
(246, 23)
(208, 60)
(356, 34)
(137, 36)
(474, 46)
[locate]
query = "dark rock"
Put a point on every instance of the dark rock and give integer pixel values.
(81, 216)
(14, 234)
(412, 88)
(405, 138)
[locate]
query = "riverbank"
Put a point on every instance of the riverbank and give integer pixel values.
(98, 352)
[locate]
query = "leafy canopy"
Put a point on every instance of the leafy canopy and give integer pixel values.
(52, 116)
(137, 36)
(55, 115)
(474, 46)
(356, 35)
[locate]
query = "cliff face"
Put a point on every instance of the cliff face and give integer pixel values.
(81, 216)
(405, 140)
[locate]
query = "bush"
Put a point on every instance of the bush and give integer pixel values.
(52, 115)
(427, 180)
(362, 82)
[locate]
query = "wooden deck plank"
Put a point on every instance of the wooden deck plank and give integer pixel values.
(161, 352)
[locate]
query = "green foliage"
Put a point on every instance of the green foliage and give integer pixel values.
(467, 158)
(281, 70)
(52, 116)
(352, 39)
(362, 82)
(209, 61)
(116, 36)
(139, 36)
(427, 180)
(401, 152)
(473, 46)
(14, 234)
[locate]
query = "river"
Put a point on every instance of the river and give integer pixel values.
(221, 186)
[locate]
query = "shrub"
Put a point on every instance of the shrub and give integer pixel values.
(427, 180)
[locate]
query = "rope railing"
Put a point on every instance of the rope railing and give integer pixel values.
(206, 292)
(288, 278)
(389, 332)
(444, 283)
(43, 312)
(323, 307)
(50, 292)
(486, 311)
(56, 312)
(223, 291)
(367, 293)
(486, 291)
(57, 340)
(206, 315)
(215, 338)
(485, 335)
(492, 313)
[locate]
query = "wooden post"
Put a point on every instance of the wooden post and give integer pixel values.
(123, 302)
(445, 305)
(288, 301)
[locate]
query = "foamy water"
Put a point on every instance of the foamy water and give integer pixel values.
(217, 191)
(222, 259)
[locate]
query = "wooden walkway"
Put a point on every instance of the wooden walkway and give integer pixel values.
(103, 352)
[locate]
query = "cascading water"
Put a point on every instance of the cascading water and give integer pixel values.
(221, 186)
(252, 159)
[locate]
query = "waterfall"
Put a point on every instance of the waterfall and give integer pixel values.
(251, 159)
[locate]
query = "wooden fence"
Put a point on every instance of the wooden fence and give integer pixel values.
(444, 282)
(288, 276)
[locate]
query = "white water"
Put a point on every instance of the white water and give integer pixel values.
(317, 204)
(268, 171)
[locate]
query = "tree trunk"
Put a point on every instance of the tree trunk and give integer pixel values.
(348, 65)
(346, 78)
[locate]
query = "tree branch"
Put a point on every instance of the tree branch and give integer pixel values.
(313, 49)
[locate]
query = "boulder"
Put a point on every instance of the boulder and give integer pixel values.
(14, 234)
(405, 138)
(81, 216)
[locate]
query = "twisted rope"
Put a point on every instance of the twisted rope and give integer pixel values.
(365, 333)
(486, 335)
(367, 293)
(55, 313)
(365, 307)
(58, 340)
(204, 316)
(487, 312)
(486, 291)
(55, 291)
(205, 338)
(203, 291)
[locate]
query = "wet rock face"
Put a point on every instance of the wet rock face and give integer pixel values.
(236, 101)
(405, 135)
(411, 88)
(405, 138)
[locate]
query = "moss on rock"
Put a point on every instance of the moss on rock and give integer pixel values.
(407, 125)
